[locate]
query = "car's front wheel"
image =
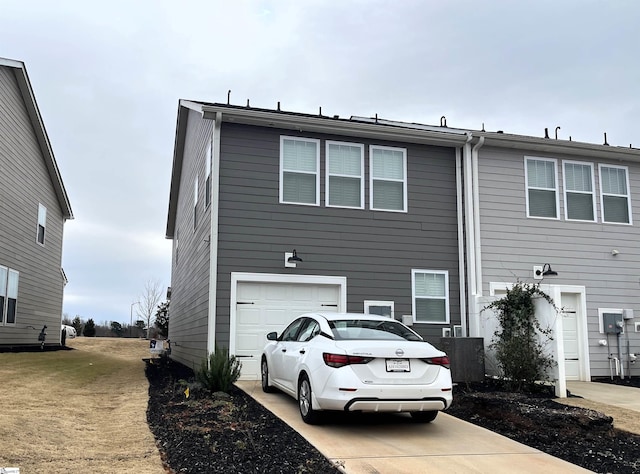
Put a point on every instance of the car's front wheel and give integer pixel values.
(308, 414)
(424, 416)
(264, 372)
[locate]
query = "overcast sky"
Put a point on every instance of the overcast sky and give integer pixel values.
(108, 79)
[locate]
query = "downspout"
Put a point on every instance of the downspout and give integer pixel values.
(468, 221)
(461, 273)
(213, 236)
(476, 215)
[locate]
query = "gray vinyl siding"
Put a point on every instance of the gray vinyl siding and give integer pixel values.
(374, 250)
(24, 183)
(188, 322)
(579, 251)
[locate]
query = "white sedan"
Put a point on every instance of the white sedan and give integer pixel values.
(356, 362)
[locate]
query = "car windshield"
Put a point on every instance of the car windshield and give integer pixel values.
(367, 329)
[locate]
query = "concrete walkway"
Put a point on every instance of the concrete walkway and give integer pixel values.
(394, 444)
(609, 394)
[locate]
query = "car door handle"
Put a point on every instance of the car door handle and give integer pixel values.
(302, 351)
(284, 350)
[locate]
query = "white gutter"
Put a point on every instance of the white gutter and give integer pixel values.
(213, 236)
(324, 124)
(476, 214)
(461, 273)
(468, 213)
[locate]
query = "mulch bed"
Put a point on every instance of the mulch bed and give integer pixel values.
(220, 433)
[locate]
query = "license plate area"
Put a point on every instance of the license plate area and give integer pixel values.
(398, 365)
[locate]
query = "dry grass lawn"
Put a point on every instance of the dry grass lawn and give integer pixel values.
(77, 411)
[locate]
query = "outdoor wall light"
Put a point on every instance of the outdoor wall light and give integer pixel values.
(539, 272)
(291, 259)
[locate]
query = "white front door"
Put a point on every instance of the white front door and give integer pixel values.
(570, 334)
(263, 307)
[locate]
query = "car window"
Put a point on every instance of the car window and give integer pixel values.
(309, 331)
(361, 329)
(290, 333)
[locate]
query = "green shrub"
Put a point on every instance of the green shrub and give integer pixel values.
(220, 371)
(520, 340)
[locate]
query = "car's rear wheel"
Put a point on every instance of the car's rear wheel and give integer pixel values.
(424, 416)
(264, 372)
(308, 414)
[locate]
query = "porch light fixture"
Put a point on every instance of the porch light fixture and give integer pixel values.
(291, 259)
(539, 272)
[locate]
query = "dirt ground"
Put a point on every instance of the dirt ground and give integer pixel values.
(77, 411)
(626, 420)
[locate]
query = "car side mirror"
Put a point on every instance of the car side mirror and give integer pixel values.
(272, 336)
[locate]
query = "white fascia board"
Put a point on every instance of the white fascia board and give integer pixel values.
(322, 124)
(195, 106)
(567, 147)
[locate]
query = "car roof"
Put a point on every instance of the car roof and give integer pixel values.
(350, 316)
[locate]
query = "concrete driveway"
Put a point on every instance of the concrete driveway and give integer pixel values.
(394, 444)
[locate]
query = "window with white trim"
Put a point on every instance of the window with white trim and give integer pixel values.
(195, 203)
(8, 295)
(579, 196)
(430, 294)
(345, 174)
(42, 224)
(388, 178)
(615, 199)
(382, 308)
(542, 187)
(299, 171)
(207, 182)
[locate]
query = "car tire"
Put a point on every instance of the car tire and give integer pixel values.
(305, 397)
(264, 375)
(424, 416)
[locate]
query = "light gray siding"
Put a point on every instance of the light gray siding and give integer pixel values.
(579, 251)
(189, 306)
(24, 183)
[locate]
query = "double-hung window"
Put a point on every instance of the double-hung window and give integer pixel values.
(42, 224)
(430, 290)
(207, 182)
(542, 187)
(299, 171)
(615, 199)
(579, 196)
(8, 295)
(345, 174)
(388, 178)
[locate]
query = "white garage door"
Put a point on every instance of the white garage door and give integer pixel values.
(265, 307)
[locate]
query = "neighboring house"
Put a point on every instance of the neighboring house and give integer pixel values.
(573, 206)
(33, 208)
(428, 224)
(371, 209)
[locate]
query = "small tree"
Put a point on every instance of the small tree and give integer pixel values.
(162, 319)
(148, 302)
(116, 328)
(77, 324)
(220, 371)
(89, 328)
(520, 340)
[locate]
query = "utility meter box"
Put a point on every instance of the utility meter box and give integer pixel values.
(612, 323)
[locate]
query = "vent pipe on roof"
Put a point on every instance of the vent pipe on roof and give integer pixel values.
(605, 139)
(248, 103)
(443, 121)
(557, 128)
(546, 133)
(278, 106)
(229, 97)
(320, 111)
